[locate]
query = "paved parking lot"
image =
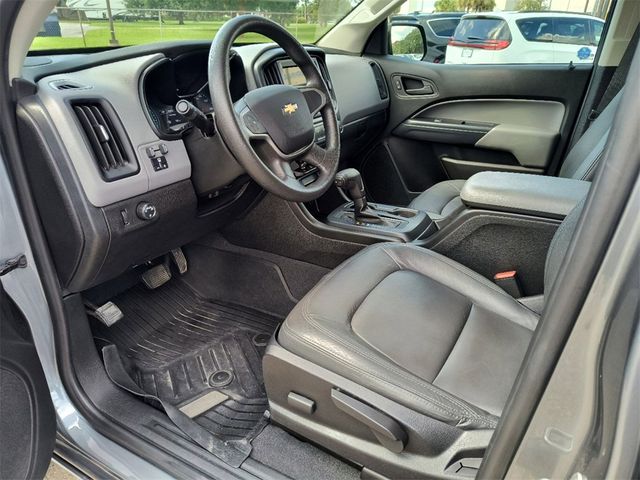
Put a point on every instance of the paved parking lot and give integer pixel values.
(56, 472)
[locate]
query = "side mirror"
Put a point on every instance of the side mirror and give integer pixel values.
(408, 40)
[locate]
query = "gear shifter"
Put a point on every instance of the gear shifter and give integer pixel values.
(350, 181)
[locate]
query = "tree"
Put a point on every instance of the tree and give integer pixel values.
(531, 5)
(410, 45)
(477, 5)
(447, 6)
(280, 11)
(325, 11)
(303, 9)
(134, 4)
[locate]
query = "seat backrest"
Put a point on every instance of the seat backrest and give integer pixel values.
(559, 246)
(583, 158)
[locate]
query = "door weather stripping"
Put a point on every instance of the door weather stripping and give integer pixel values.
(9, 265)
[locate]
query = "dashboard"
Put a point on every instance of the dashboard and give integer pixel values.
(123, 178)
(186, 78)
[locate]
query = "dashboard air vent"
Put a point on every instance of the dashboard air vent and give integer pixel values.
(380, 82)
(106, 138)
(325, 73)
(67, 85)
(272, 74)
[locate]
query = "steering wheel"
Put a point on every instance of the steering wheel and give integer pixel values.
(272, 126)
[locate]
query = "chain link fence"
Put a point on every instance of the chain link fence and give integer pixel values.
(97, 27)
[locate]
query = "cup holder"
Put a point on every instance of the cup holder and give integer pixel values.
(405, 213)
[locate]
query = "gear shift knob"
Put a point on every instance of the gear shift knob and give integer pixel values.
(350, 180)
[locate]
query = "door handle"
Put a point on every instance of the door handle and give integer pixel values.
(425, 89)
(410, 85)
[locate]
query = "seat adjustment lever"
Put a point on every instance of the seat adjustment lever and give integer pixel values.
(388, 431)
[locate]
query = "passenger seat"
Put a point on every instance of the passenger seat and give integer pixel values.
(443, 198)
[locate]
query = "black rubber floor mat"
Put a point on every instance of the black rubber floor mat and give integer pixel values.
(179, 347)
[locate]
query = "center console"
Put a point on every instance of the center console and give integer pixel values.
(505, 222)
(357, 215)
(404, 223)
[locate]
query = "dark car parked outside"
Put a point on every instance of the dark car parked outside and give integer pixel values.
(438, 29)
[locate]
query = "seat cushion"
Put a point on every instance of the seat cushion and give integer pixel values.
(441, 199)
(418, 328)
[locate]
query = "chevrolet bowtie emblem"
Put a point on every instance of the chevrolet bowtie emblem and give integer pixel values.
(289, 109)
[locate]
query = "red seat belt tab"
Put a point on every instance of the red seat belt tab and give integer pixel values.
(508, 281)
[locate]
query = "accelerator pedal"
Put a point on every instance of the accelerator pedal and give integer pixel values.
(156, 276)
(179, 260)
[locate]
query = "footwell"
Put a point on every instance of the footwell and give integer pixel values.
(202, 356)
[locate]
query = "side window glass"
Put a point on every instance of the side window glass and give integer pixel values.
(597, 31)
(444, 27)
(506, 31)
(572, 31)
(536, 29)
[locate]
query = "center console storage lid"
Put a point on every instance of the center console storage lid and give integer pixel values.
(550, 197)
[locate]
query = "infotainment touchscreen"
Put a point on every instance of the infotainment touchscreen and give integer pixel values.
(293, 75)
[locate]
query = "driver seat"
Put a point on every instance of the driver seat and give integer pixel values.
(407, 339)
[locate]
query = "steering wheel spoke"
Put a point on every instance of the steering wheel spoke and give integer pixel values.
(264, 145)
(315, 98)
(251, 126)
(318, 157)
(282, 169)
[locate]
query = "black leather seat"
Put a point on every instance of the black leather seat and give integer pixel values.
(442, 199)
(417, 328)
(420, 329)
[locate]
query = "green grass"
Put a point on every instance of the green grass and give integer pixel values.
(96, 33)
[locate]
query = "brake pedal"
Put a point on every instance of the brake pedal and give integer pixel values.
(109, 313)
(156, 276)
(180, 261)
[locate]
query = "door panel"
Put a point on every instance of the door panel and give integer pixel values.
(478, 117)
(27, 420)
(526, 128)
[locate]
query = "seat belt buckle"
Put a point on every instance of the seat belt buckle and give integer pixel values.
(508, 281)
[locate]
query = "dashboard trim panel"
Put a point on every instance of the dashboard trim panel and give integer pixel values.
(107, 82)
(193, 181)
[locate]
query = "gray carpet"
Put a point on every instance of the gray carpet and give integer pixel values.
(273, 227)
(298, 460)
(264, 281)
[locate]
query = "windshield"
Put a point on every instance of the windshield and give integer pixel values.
(78, 24)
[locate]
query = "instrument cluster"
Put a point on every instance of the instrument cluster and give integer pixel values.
(183, 78)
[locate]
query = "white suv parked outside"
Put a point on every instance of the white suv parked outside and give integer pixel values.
(525, 37)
